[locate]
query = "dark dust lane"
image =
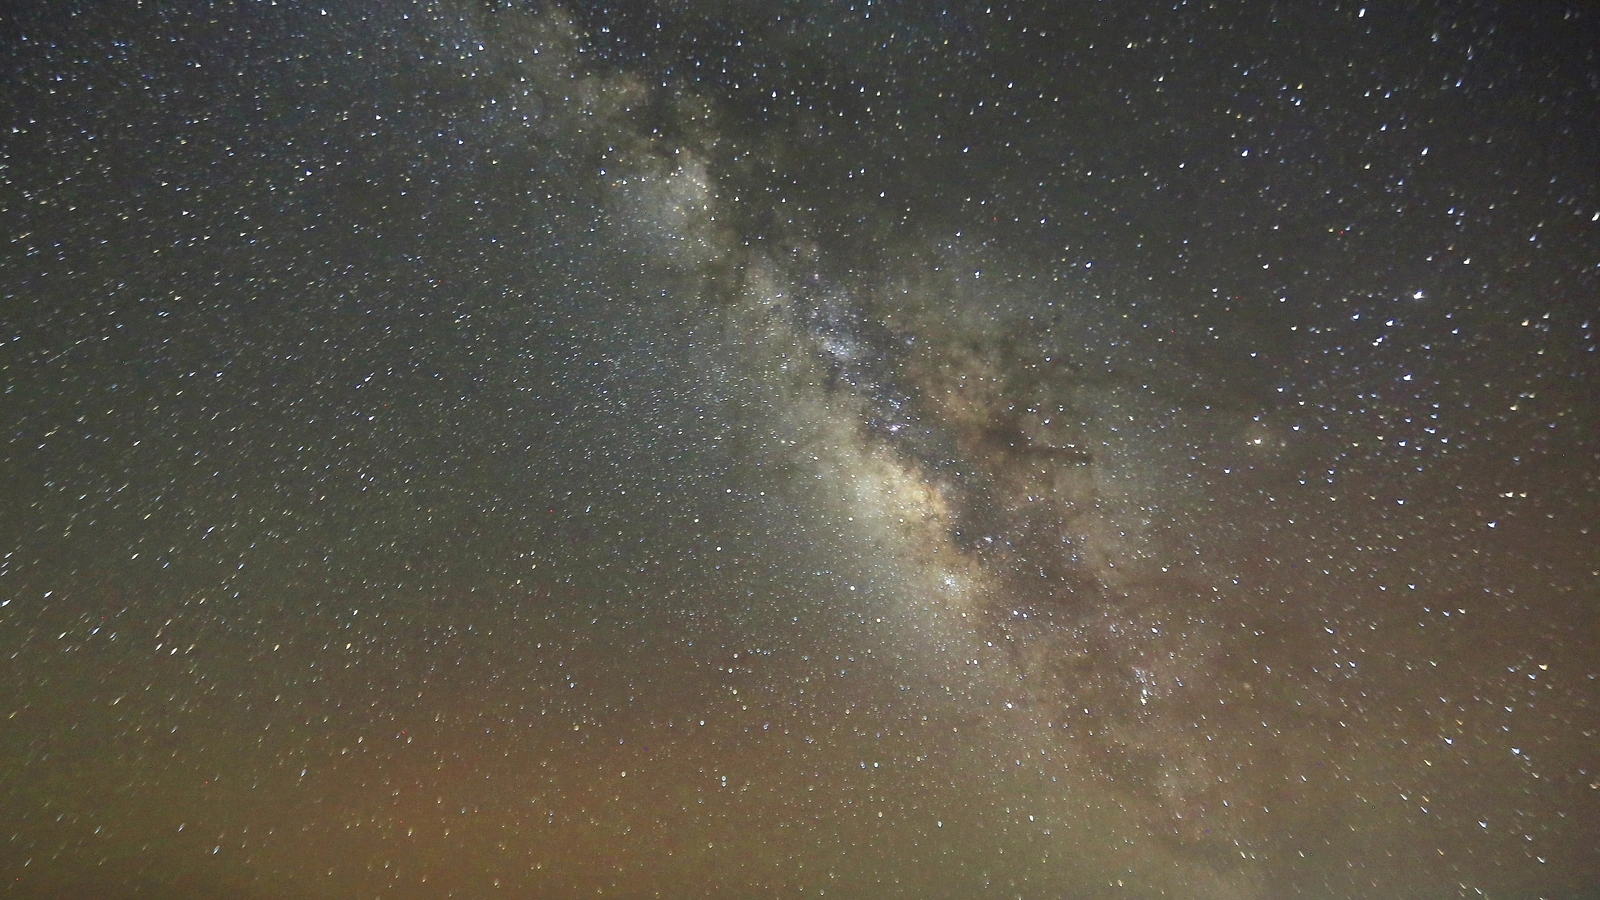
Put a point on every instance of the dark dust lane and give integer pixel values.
(727, 450)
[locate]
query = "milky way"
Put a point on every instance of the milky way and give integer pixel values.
(815, 449)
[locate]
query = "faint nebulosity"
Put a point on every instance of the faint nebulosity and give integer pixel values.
(800, 448)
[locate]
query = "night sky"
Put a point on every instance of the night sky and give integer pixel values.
(797, 448)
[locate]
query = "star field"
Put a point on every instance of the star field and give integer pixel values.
(458, 449)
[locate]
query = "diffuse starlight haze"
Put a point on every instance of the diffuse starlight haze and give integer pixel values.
(870, 450)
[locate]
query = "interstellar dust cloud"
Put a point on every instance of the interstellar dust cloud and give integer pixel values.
(951, 422)
(963, 433)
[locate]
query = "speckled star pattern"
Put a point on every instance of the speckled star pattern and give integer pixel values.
(730, 449)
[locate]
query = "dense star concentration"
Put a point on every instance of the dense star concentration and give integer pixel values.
(800, 448)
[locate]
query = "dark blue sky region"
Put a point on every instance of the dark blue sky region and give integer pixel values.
(732, 449)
